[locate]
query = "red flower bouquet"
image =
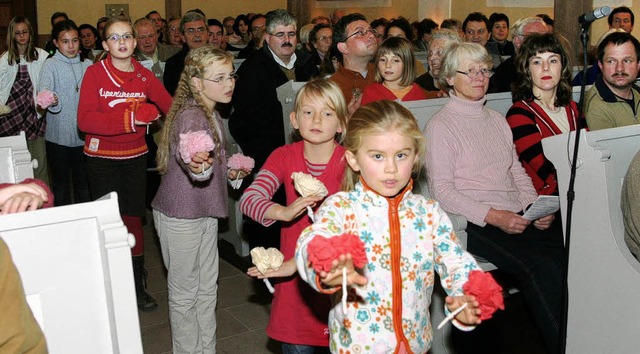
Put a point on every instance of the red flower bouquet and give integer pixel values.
(322, 251)
(487, 292)
(146, 113)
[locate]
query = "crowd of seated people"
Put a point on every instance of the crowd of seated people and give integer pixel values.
(362, 57)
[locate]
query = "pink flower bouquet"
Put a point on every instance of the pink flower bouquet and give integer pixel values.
(45, 98)
(194, 142)
(240, 162)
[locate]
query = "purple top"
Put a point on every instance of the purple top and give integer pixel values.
(180, 195)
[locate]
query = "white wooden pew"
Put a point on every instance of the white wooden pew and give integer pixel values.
(604, 278)
(75, 265)
(15, 159)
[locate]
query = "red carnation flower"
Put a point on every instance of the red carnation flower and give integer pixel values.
(322, 251)
(487, 292)
(146, 113)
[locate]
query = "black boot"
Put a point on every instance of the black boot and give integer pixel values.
(145, 301)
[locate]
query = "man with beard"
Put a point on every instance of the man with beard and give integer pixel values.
(256, 122)
(614, 100)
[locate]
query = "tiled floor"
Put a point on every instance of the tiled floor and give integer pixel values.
(244, 304)
(243, 308)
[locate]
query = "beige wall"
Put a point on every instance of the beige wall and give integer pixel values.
(81, 12)
(222, 8)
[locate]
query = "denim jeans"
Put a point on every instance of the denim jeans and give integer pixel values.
(536, 259)
(303, 349)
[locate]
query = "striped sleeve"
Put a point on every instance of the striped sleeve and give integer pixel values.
(256, 199)
(528, 141)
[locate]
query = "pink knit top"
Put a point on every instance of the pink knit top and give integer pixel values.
(471, 161)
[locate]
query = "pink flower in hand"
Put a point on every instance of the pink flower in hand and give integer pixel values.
(192, 143)
(487, 292)
(241, 162)
(45, 98)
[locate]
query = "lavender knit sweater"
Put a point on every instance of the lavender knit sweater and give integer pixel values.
(179, 195)
(471, 162)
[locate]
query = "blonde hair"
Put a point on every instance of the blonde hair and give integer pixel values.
(324, 91)
(195, 64)
(13, 54)
(381, 117)
(455, 53)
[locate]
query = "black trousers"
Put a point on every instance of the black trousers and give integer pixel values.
(68, 168)
(536, 259)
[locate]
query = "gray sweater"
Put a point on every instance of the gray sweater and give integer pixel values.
(62, 75)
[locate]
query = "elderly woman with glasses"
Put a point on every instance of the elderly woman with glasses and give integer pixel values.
(473, 170)
(320, 39)
(543, 105)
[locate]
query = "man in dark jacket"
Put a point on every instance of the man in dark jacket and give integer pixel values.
(256, 122)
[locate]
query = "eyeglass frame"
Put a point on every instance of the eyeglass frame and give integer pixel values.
(485, 72)
(196, 31)
(324, 38)
(361, 33)
(222, 79)
(114, 37)
(24, 32)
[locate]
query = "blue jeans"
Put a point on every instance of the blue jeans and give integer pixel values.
(303, 349)
(536, 259)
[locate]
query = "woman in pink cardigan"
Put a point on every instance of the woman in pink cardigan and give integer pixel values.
(473, 170)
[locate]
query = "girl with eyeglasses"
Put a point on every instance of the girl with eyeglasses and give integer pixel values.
(113, 112)
(20, 69)
(395, 74)
(193, 196)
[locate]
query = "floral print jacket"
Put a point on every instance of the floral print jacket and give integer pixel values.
(406, 238)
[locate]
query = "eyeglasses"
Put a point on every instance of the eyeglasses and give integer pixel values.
(23, 33)
(199, 30)
(173, 29)
(116, 37)
(361, 33)
(472, 73)
(325, 38)
(281, 35)
(255, 28)
(222, 79)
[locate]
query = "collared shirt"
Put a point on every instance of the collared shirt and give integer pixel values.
(291, 63)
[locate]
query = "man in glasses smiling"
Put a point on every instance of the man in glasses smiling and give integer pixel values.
(195, 34)
(357, 42)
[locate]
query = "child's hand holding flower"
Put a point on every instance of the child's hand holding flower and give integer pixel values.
(146, 113)
(239, 167)
(194, 148)
(46, 99)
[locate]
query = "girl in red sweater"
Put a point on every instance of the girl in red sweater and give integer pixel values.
(395, 74)
(298, 314)
(113, 112)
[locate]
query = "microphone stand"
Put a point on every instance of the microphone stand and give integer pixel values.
(584, 36)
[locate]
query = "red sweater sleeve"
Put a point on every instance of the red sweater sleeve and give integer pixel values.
(159, 95)
(44, 186)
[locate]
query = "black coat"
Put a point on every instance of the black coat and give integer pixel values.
(256, 122)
